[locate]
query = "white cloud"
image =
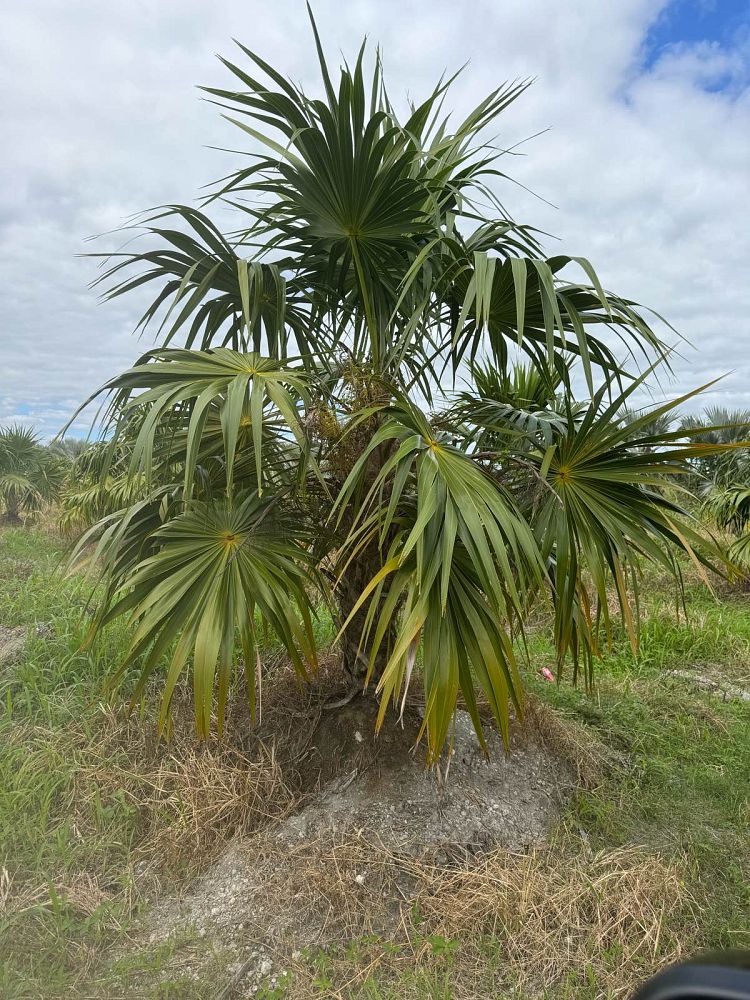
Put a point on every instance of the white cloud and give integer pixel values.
(648, 168)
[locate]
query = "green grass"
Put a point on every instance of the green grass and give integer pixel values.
(685, 789)
(52, 688)
(686, 786)
(682, 787)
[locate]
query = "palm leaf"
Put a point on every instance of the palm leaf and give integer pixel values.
(206, 572)
(459, 559)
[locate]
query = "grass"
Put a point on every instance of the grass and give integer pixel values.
(95, 818)
(90, 805)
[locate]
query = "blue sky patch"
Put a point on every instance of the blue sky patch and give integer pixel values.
(690, 22)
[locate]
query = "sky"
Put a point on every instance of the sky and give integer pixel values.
(642, 164)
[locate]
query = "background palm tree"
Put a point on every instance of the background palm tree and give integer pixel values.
(30, 474)
(729, 508)
(97, 483)
(721, 478)
(654, 428)
(724, 428)
(298, 441)
(70, 448)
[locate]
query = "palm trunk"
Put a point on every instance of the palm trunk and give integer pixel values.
(360, 571)
(356, 653)
(12, 516)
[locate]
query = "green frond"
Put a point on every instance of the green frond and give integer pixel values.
(458, 560)
(739, 554)
(609, 505)
(175, 393)
(206, 572)
(729, 507)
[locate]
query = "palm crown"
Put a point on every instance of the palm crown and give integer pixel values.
(298, 446)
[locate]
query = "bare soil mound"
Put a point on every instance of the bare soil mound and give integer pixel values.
(370, 818)
(380, 786)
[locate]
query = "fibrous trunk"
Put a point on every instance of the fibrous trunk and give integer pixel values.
(356, 650)
(12, 516)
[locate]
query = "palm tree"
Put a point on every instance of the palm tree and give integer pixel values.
(98, 483)
(70, 449)
(729, 508)
(726, 429)
(297, 433)
(29, 474)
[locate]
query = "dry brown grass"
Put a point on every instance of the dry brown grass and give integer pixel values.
(553, 912)
(187, 800)
(570, 741)
(192, 800)
(82, 893)
(513, 923)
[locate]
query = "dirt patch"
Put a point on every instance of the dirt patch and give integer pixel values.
(709, 679)
(13, 641)
(379, 786)
(349, 859)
